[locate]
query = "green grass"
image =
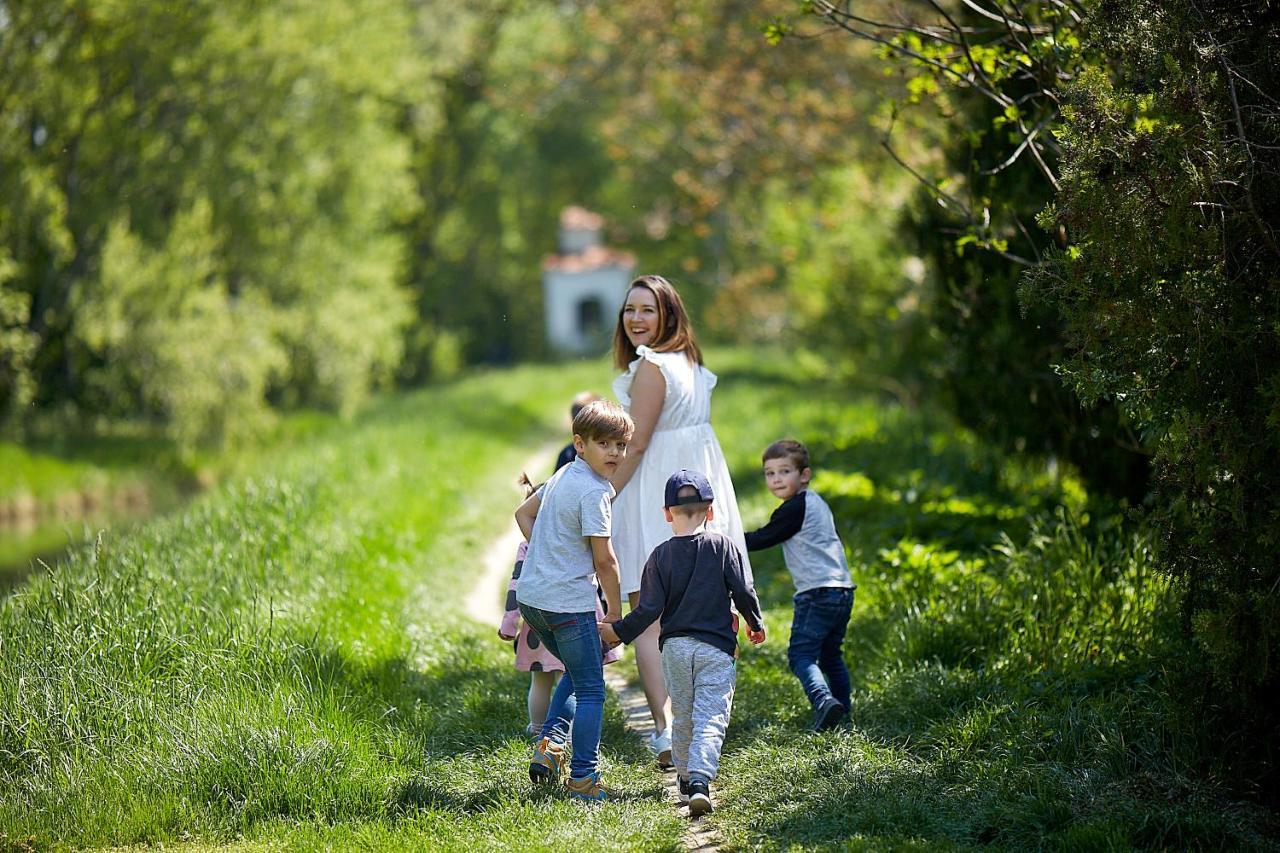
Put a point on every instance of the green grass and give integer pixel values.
(59, 488)
(283, 662)
(1009, 646)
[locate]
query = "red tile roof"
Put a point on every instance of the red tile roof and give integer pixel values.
(592, 258)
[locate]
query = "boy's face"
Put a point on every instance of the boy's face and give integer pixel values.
(602, 454)
(784, 479)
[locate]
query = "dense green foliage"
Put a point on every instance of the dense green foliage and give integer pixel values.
(1171, 297)
(204, 186)
(194, 186)
(1144, 136)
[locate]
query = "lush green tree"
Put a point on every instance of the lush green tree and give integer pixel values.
(987, 76)
(1170, 293)
(710, 122)
(132, 126)
(502, 138)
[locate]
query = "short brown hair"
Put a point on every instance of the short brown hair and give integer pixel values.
(580, 401)
(603, 419)
(787, 448)
(693, 509)
(675, 331)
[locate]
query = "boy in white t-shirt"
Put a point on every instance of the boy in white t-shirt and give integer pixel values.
(568, 523)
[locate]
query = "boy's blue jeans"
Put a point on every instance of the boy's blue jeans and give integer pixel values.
(817, 632)
(578, 699)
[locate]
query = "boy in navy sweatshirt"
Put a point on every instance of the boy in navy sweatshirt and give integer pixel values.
(803, 525)
(689, 581)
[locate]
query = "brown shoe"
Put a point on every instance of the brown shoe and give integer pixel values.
(589, 788)
(548, 761)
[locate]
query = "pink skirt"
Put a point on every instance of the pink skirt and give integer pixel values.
(531, 654)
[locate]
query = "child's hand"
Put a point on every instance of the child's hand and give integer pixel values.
(608, 636)
(756, 637)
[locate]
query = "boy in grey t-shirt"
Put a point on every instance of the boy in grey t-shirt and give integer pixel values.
(568, 524)
(803, 525)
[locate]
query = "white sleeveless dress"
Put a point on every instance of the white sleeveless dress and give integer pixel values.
(682, 438)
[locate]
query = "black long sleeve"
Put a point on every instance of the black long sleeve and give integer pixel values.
(653, 600)
(744, 596)
(785, 522)
(689, 581)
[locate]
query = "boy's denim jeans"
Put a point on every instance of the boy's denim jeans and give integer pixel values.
(817, 632)
(578, 699)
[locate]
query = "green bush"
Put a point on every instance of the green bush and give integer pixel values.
(1171, 298)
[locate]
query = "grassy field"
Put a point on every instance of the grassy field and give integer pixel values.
(283, 663)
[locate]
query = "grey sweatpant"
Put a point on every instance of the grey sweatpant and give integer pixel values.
(700, 679)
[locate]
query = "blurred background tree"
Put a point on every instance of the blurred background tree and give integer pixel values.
(200, 204)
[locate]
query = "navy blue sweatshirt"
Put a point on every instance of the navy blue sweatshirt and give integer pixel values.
(688, 581)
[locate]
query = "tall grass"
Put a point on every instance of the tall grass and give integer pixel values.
(284, 660)
(1012, 648)
(283, 663)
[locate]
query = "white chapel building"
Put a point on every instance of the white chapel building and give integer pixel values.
(584, 286)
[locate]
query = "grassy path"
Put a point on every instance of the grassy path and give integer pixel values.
(287, 662)
(483, 600)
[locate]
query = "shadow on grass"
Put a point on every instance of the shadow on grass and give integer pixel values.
(386, 740)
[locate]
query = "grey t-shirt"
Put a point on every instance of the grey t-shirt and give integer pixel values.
(559, 573)
(803, 525)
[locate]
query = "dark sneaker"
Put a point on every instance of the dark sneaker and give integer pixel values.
(699, 798)
(829, 715)
(682, 796)
(548, 761)
(589, 788)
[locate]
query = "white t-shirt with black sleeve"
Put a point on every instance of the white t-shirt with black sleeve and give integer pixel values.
(559, 572)
(805, 528)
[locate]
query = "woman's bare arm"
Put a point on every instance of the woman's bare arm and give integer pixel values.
(648, 394)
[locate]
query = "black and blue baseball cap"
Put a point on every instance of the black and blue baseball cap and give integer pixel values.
(686, 477)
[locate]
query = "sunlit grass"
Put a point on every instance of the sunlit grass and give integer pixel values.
(284, 660)
(1011, 648)
(283, 663)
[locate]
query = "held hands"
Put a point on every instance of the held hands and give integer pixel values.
(608, 636)
(756, 637)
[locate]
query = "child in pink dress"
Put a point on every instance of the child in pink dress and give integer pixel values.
(532, 657)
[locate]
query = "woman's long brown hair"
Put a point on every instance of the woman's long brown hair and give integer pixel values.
(675, 332)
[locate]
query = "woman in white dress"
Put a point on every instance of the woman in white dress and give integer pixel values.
(668, 393)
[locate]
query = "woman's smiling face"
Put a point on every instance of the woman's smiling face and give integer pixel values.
(640, 317)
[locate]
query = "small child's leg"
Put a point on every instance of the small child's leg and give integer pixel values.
(807, 634)
(831, 658)
(677, 672)
(831, 661)
(541, 683)
(714, 678)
